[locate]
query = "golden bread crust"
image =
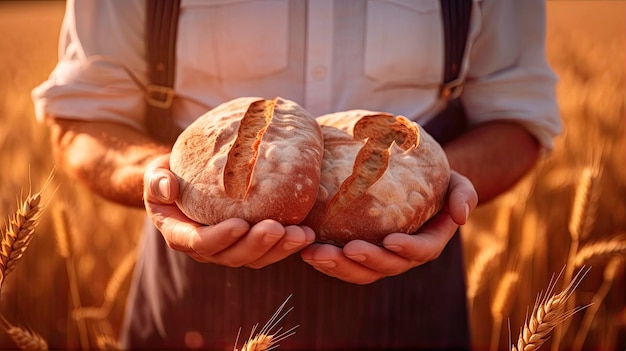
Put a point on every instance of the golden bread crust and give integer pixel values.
(249, 158)
(403, 176)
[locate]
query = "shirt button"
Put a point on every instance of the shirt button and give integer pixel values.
(318, 72)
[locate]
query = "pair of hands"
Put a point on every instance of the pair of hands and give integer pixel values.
(234, 243)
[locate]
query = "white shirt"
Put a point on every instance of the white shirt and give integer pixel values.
(327, 55)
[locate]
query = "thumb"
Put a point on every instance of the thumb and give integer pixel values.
(160, 186)
(462, 198)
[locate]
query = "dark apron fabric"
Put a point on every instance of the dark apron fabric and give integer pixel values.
(173, 297)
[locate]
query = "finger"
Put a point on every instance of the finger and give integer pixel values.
(462, 198)
(428, 243)
(255, 244)
(180, 232)
(160, 186)
(200, 242)
(331, 261)
(295, 239)
(377, 258)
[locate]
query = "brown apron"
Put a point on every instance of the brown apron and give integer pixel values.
(173, 297)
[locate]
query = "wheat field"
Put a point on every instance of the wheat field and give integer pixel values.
(567, 215)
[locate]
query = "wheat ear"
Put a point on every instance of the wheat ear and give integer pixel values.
(548, 313)
(270, 335)
(585, 203)
(62, 234)
(24, 339)
(581, 220)
(19, 231)
(602, 249)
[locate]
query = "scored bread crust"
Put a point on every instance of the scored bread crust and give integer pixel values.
(406, 190)
(249, 158)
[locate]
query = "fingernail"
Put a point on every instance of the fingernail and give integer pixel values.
(357, 258)
(238, 231)
(160, 188)
(290, 245)
(326, 264)
(394, 248)
(270, 238)
(467, 211)
(164, 187)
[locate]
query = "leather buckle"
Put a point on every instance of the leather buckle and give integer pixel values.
(159, 96)
(451, 90)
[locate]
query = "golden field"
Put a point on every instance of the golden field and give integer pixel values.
(572, 205)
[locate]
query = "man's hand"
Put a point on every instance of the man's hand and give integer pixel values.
(361, 262)
(231, 243)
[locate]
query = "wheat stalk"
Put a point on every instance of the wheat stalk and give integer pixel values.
(548, 313)
(63, 236)
(24, 339)
(270, 335)
(480, 269)
(19, 231)
(501, 304)
(119, 276)
(582, 217)
(532, 236)
(503, 218)
(105, 341)
(600, 249)
(121, 273)
(611, 335)
(610, 271)
(502, 299)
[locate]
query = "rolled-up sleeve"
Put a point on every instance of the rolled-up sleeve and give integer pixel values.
(509, 77)
(101, 69)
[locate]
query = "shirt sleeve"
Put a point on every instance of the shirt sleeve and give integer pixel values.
(509, 77)
(101, 72)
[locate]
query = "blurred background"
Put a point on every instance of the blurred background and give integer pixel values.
(569, 211)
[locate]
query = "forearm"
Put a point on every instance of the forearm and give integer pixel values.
(493, 156)
(108, 158)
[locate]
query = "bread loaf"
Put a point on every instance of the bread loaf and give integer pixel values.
(249, 158)
(381, 174)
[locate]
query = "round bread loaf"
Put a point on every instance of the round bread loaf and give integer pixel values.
(249, 158)
(381, 174)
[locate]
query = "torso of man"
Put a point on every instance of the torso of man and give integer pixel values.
(326, 55)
